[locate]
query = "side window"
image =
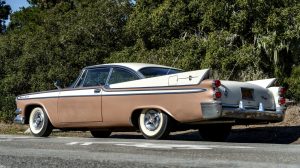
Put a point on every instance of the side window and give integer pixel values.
(158, 71)
(119, 75)
(96, 77)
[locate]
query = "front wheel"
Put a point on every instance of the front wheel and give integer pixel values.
(39, 123)
(215, 132)
(154, 124)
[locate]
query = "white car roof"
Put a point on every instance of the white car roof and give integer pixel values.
(134, 66)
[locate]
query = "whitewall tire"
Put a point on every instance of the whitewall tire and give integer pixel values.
(154, 124)
(39, 123)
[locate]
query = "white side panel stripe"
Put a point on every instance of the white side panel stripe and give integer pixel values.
(39, 95)
(90, 92)
(134, 92)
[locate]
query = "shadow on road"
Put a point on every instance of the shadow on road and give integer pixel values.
(273, 135)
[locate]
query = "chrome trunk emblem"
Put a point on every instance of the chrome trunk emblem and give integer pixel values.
(241, 105)
(261, 107)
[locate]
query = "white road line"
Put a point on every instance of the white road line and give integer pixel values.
(163, 146)
(72, 143)
(5, 140)
(87, 143)
(16, 137)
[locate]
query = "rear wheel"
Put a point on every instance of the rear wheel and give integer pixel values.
(215, 132)
(39, 123)
(154, 124)
(100, 134)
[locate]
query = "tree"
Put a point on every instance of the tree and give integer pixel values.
(45, 4)
(5, 10)
(43, 45)
(239, 40)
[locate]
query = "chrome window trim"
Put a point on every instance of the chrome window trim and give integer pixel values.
(84, 78)
(109, 75)
(80, 75)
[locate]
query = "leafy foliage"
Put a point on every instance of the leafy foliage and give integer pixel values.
(239, 40)
(44, 45)
(294, 83)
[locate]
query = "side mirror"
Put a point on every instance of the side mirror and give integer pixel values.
(57, 84)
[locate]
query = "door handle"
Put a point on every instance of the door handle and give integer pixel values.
(97, 90)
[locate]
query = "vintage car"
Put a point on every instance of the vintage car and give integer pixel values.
(152, 99)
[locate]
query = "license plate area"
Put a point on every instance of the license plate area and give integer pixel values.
(247, 93)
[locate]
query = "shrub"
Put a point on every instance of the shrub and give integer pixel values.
(294, 84)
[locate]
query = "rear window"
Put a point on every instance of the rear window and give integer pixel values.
(158, 71)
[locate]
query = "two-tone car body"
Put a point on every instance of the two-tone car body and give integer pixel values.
(153, 99)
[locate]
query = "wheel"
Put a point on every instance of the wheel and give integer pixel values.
(100, 134)
(39, 123)
(215, 132)
(154, 124)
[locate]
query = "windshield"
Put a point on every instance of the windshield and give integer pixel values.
(158, 71)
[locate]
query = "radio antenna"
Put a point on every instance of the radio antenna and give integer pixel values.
(173, 63)
(232, 69)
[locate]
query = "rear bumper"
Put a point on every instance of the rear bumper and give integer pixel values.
(252, 114)
(215, 110)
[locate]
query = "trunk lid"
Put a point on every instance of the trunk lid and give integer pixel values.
(250, 94)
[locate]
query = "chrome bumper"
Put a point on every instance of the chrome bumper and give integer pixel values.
(215, 110)
(19, 119)
(267, 115)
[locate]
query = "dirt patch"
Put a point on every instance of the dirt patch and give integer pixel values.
(292, 117)
(12, 128)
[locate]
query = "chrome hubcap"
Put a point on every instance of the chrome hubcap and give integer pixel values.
(152, 120)
(38, 119)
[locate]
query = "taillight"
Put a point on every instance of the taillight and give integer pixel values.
(216, 83)
(217, 94)
(281, 101)
(281, 91)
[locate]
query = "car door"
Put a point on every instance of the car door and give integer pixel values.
(83, 102)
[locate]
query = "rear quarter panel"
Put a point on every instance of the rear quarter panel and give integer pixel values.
(183, 107)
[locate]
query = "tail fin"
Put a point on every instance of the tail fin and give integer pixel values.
(265, 83)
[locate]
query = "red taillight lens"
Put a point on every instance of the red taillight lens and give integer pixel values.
(217, 95)
(281, 101)
(217, 83)
(281, 91)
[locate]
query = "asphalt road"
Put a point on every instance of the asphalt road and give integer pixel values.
(28, 151)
